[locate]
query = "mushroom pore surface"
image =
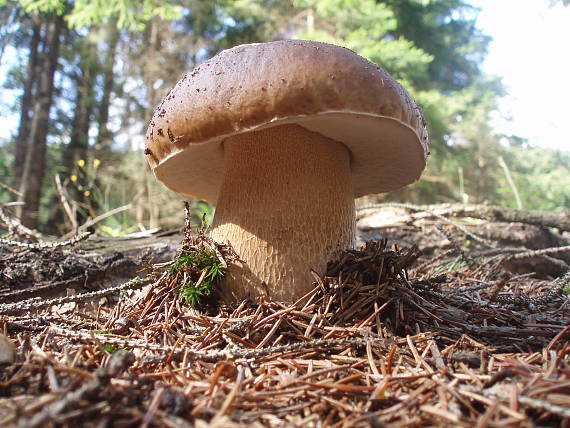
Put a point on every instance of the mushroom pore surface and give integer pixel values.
(286, 205)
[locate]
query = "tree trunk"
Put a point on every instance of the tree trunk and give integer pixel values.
(104, 137)
(34, 165)
(9, 16)
(147, 209)
(77, 149)
(26, 107)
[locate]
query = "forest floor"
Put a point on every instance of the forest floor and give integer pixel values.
(445, 316)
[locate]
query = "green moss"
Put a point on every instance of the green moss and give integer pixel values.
(107, 347)
(567, 288)
(196, 271)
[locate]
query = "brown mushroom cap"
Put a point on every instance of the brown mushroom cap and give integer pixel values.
(322, 87)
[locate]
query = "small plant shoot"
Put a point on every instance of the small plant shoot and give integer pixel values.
(200, 264)
(196, 271)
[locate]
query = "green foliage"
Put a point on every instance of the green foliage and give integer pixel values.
(446, 30)
(111, 349)
(44, 6)
(365, 27)
(542, 177)
(196, 271)
(202, 212)
(130, 14)
(454, 265)
(5, 163)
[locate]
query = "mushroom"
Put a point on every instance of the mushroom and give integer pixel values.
(282, 137)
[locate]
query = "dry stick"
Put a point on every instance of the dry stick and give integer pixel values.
(559, 220)
(44, 245)
(65, 203)
(99, 218)
(34, 304)
(556, 338)
(10, 189)
(527, 254)
(16, 227)
(40, 289)
(511, 182)
(520, 253)
(226, 354)
(152, 408)
(103, 216)
(434, 214)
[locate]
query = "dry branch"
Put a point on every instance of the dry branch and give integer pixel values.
(35, 304)
(45, 245)
(559, 220)
(17, 228)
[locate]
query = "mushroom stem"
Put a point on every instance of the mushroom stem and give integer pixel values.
(286, 205)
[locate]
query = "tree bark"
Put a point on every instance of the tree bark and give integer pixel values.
(79, 141)
(34, 165)
(104, 137)
(78, 146)
(26, 107)
(148, 209)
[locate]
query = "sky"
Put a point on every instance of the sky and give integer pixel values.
(531, 51)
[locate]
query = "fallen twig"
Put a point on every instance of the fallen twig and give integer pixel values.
(34, 304)
(560, 220)
(45, 245)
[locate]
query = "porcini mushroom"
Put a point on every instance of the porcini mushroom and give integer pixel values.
(282, 136)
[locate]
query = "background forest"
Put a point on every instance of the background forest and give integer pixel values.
(84, 76)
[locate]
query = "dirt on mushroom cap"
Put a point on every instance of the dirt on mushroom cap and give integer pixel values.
(325, 88)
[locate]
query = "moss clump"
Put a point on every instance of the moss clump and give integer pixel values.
(195, 272)
(111, 349)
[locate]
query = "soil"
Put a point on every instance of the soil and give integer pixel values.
(432, 322)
